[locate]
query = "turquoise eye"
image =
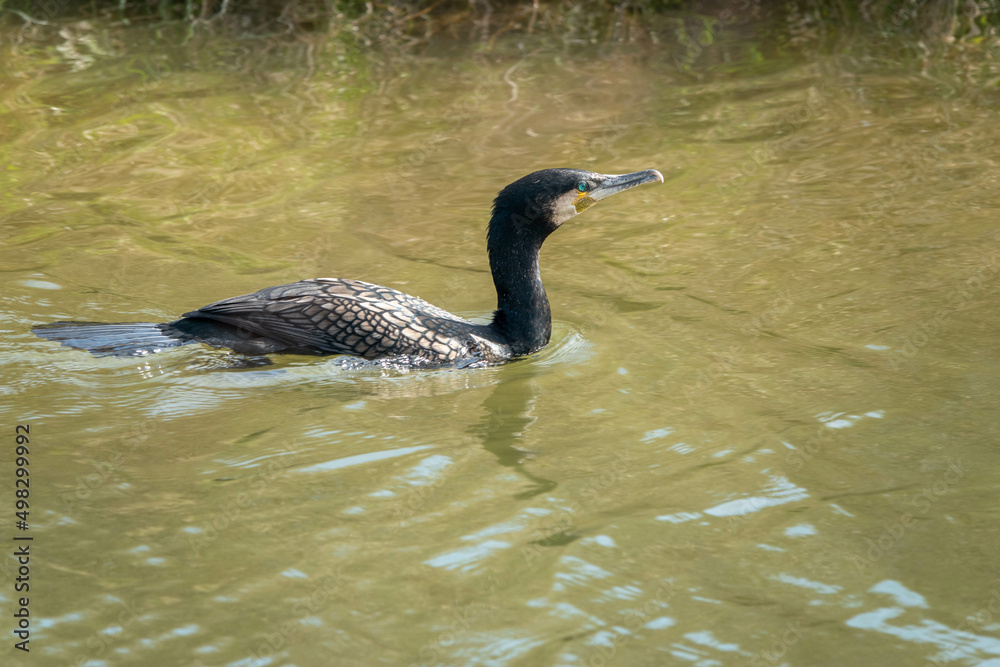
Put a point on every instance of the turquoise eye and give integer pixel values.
(582, 186)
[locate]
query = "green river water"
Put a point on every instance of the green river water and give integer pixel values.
(764, 433)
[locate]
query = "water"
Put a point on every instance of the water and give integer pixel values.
(764, 432)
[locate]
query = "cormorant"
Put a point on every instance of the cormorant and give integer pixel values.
(335, 316)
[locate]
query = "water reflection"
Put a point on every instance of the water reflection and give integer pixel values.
(763, 432)
(506, 424)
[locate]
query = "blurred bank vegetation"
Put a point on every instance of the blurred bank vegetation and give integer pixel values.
(415, 22)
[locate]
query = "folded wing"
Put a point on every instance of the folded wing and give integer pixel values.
(334, 316)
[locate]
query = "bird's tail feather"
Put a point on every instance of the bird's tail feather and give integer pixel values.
(128, 339)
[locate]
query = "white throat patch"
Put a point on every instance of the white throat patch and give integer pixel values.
(565, 207)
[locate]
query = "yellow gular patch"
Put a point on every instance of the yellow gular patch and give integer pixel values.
(583, 202)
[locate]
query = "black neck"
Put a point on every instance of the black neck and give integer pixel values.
(522, 317)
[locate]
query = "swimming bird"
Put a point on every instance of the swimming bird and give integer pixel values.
(325, 316)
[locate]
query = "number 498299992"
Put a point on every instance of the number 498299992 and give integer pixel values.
(22, 483)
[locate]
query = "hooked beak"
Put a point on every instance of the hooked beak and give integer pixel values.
(612, 185)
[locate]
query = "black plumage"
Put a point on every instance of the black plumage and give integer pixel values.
(336, 316)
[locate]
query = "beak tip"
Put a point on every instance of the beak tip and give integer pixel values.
(658, 177)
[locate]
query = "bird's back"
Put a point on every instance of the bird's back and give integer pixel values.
(337, 316)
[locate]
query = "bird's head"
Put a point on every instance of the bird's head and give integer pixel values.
(540, 202)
